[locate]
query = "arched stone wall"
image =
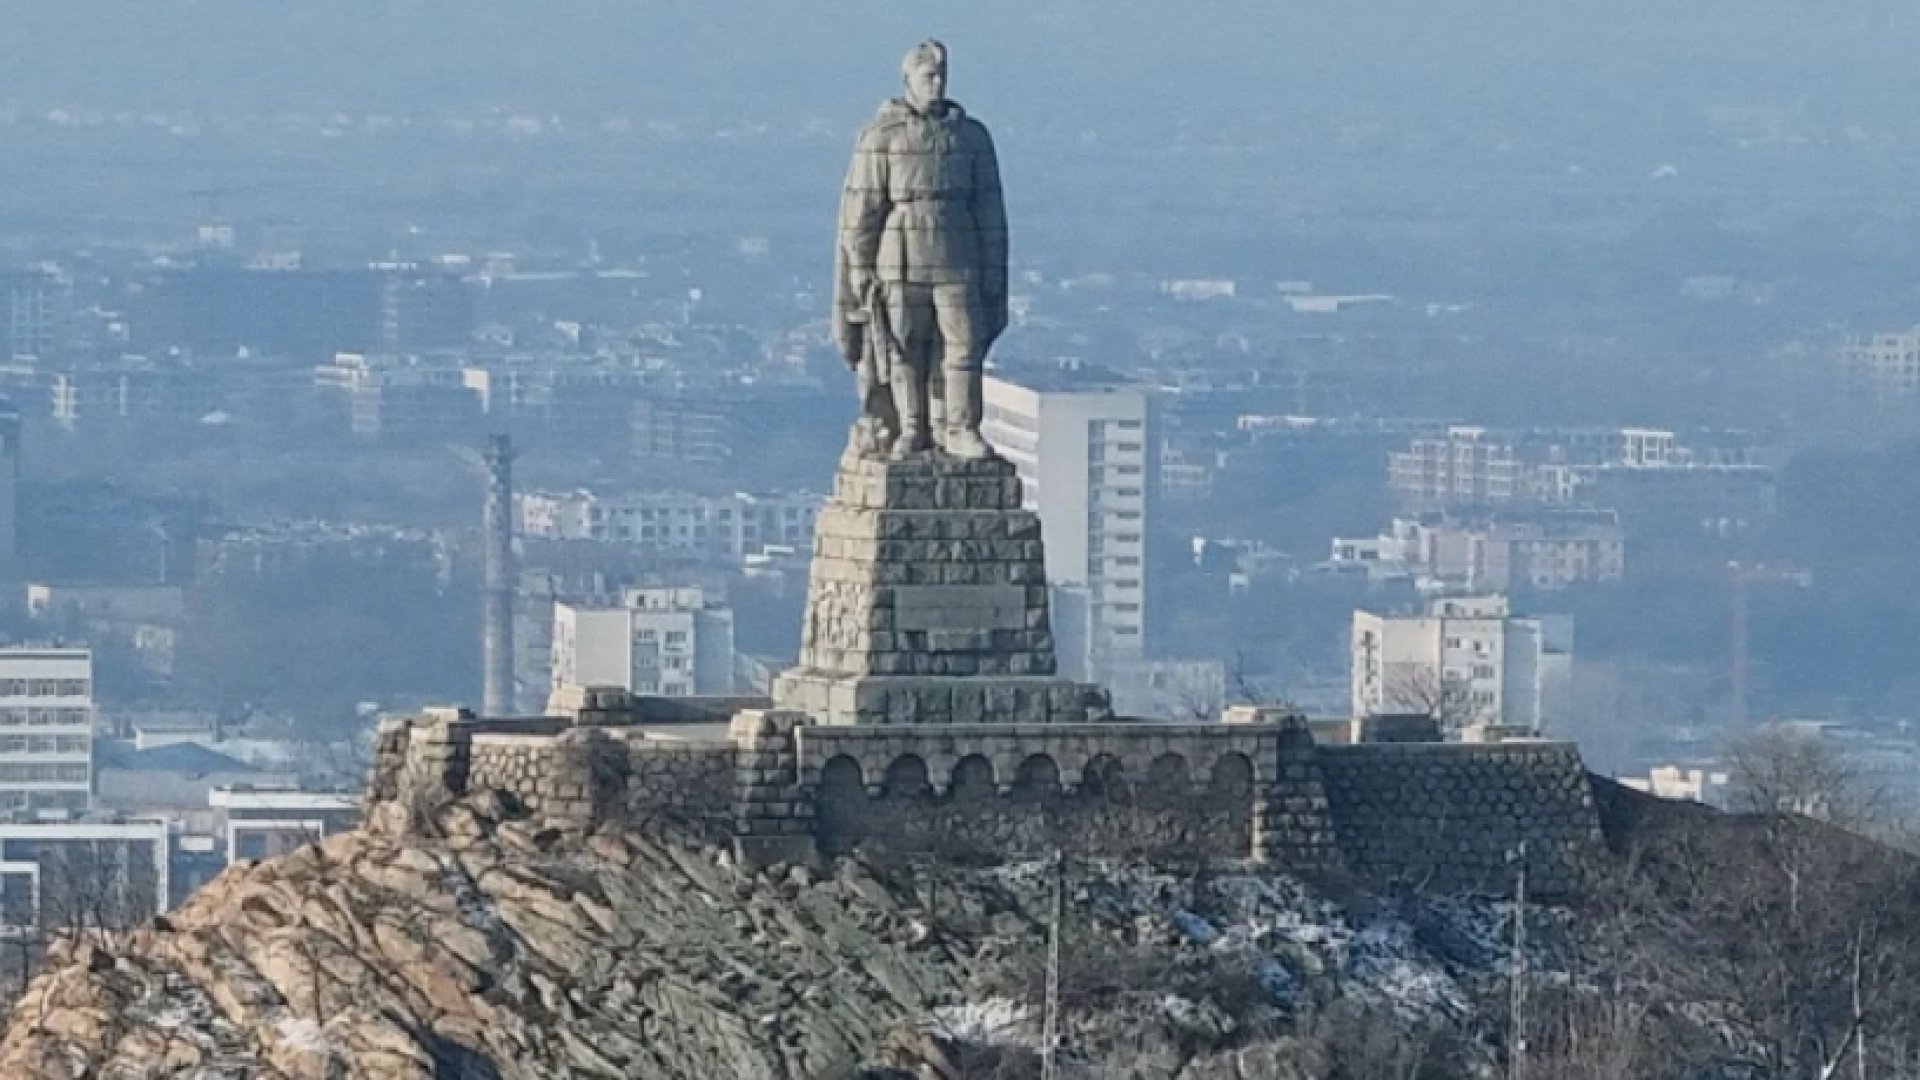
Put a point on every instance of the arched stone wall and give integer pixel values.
(781, 787)
(1185, 793)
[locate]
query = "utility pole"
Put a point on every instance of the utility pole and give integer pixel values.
(1517, 976)
(1050, 1026)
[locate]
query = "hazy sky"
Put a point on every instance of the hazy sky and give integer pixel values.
(1093, 56)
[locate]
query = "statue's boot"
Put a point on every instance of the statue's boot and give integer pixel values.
(937, 411)
(961, 435)
(910, 406)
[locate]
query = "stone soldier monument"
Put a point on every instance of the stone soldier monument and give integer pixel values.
(920, 268)
(927, 599)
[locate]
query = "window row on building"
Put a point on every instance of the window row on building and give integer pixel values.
(44, 772)
(45, 744)
(68, 717)
(40, 688)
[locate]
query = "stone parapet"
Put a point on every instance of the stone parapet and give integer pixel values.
(928, 699)
(926, 482)
(1445, 817)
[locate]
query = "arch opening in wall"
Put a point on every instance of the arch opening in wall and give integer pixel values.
(842, 774)
(1232, 776)
(1037, 778)
(906, 778)
(973, 780)
(1168, 780)
(840, 805)
(1104, 777)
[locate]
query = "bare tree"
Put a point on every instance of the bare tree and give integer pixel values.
(1426, 691)
(96, 890)
(1779, 769)
(1814, 932)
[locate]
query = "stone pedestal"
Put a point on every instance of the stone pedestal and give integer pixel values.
(927, 602)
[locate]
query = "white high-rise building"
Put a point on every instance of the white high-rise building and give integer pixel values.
(1885, 366)
(665, 642)
(46, 731)
(1085, 455)
(1465, 661)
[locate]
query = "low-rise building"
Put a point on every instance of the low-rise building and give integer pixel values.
(79, 875)
(663, 642)
(267, 822)
(1477, 467)
(1465, 661)
(1543, 549)
(1677, 782)
(723, 527)
(382, 396)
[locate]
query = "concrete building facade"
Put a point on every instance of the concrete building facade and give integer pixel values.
(663, 642)
(1465, 661)
(108, 875)
(1547, 549)
(723, 527)
(1085, 459)
(46, 731)
(1884, 367)
(1488, 468)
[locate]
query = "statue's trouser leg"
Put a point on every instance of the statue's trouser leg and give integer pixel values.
(877, 401)
(910, 310)
(963, 347)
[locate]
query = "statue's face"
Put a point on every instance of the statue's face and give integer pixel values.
(926, 84)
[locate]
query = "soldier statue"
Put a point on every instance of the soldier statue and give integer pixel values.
(920, 270)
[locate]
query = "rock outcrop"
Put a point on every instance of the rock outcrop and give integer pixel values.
(505, 950)
(489, 945)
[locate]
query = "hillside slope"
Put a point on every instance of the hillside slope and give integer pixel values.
(502, 949)
(499, 949)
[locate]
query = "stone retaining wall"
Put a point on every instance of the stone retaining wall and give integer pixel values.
(1445, 817)
(1450, 817)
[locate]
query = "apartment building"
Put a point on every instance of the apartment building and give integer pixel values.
(1465, 661)
(1086, 458)
(670, 642)
(46, 731)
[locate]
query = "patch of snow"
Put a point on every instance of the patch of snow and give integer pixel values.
(305, 1036)
(996, 1021)
(1385, 960)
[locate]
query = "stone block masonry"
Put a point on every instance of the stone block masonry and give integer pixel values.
(781, 786)
(926, 566)
(927, 602)
(1450, 817)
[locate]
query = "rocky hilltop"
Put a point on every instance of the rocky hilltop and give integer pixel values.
(486, 944)
(504, 948)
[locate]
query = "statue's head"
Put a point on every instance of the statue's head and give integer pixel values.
(925, 72)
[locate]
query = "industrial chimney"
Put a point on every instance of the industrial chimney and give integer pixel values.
(496, 630)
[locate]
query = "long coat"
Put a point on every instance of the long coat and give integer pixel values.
(922, 205)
